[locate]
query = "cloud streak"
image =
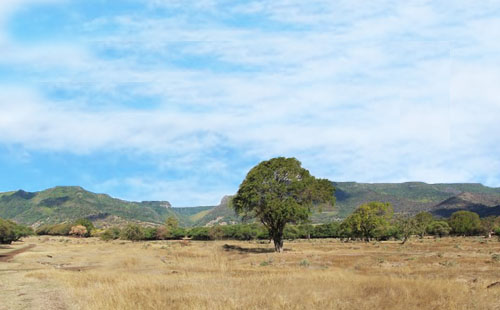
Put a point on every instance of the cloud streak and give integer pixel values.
(379, 93)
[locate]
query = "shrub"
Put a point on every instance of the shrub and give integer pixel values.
(11, 231)
(132, 232)
(465, 223)
(150, 233)
(79, 231)
(199, 233)
(170, 233)
(62, 229)
(216, 233)
(439, 228)
(331, 230)
(88, 226)
(112, 233)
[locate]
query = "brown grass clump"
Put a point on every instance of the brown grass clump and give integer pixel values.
(448, 273)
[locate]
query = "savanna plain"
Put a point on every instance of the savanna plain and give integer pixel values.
(50, 272)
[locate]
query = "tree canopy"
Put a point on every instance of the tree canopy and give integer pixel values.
(279, 191)
(369, 220)
(465, 223)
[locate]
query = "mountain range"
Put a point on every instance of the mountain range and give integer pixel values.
(67, 203)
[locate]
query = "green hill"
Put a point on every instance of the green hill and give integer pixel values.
(408, 198)
(68, 203)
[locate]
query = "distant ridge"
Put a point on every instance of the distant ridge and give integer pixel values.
(67, 203)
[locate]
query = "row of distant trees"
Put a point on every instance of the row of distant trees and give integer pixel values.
(371, 221)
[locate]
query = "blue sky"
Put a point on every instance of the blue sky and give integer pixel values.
(177, 100)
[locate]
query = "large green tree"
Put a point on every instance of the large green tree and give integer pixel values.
(465, 223)
(279, 191)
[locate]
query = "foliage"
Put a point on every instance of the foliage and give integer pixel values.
(422, 221)
(465, 223)
(489, 224)
(439, 228)
(111, 233)
(132, 232)
(88, 226)
(79, 231)
(370, 220)
(406, 227)
(166, 233)
(280, 191)
(61, 229)
(199, 233)
(11, 231)
(172, 223)
(149, 233)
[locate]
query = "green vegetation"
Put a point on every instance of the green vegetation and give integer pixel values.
(439, 228)
(369, 221)
(465, 223)
(280, 191)
(68, 203)
(11, 231)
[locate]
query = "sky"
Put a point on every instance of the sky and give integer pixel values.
(177, 100)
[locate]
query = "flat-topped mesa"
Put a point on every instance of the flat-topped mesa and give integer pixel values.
(164, 204)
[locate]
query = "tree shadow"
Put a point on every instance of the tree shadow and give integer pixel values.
(235, 248)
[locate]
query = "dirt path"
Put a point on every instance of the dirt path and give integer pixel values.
(22, 291)
(7, 257)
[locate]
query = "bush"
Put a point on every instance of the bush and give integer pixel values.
(79, 231)
(112, 233)
(132, 232)
(87, 224)
(149, 233)
(439, 228)
(170, 233)
(62, 229)
(465, 223)
(199, 233)
(331, 230)
(11, 231)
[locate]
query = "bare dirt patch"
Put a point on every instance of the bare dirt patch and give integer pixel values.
(10, 255)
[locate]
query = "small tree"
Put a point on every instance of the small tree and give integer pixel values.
(370, 220)
(172, 223)
(465, 223)
(279, 191)
(422, 221)
(406, 227)
(489, 224)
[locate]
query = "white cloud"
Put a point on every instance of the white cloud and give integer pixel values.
(357, 91)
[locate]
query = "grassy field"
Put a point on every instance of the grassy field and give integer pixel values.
(70, 273)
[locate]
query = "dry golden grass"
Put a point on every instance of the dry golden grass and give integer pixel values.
(448, 273)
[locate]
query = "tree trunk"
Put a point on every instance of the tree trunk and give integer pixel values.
(278, 244)
(405, 238)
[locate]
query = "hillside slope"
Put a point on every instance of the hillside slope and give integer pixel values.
(67, 203)
(482, 204)
(407, 198)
